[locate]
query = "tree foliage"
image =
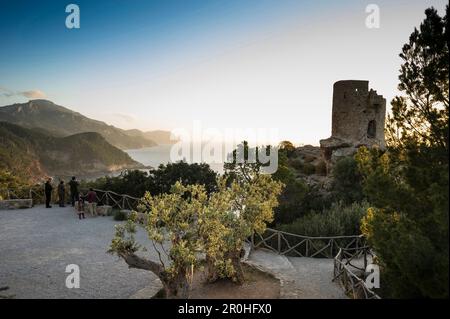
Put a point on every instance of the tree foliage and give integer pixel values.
(170, 218)
(339, 219)
(292, 198)
(244, 162)
(293, 191)
(407, 186)
(162, 179)
(235, 213)
(158, 181)
(288, 147)
(346, 183)
(10, 181)
(421, 114)
(130, 182)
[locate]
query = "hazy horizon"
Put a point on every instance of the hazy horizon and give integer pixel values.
(228, 64)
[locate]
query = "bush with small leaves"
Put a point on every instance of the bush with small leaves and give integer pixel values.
(120, 215)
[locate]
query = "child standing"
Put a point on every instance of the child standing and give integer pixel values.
(80, 207)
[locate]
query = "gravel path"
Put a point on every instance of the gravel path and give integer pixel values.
(37, 244)
(300, 277)
(314, 277)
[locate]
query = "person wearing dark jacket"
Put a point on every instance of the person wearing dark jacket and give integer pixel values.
(74, 190)
(92, 202)
(61, 193)
(48, 192)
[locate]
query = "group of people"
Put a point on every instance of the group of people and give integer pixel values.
(77, 198)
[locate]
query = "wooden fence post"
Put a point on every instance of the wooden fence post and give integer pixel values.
(279, 242)
(331, 248)
(307, 244)
(365, 259)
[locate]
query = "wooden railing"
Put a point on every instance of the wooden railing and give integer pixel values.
(349, 269)
(35, 193)
(284, 243)
(350, 255)
(121, 201)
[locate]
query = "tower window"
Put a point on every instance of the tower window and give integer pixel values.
(371, 129)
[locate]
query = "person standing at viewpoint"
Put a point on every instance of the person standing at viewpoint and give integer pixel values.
(92, 202)
(74, 190)
(48, 192)
(61, 193)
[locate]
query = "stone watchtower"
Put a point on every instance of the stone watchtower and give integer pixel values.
(358, 119)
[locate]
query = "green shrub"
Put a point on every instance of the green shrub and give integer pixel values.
(120, 215)
(347, 181)
(338, 220)
(296, 164)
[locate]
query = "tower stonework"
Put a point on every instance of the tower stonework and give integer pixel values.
(358, 118)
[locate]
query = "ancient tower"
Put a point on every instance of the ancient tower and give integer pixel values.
(357, 119)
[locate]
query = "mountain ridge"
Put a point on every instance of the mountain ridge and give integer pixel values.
(61, 121)
(34, 154)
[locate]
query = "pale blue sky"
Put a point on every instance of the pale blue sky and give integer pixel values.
(227, 63)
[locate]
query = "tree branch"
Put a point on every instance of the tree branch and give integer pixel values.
(134, 261)
(159, 254)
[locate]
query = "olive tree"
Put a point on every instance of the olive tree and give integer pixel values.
(172, 227)
(187, 223)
